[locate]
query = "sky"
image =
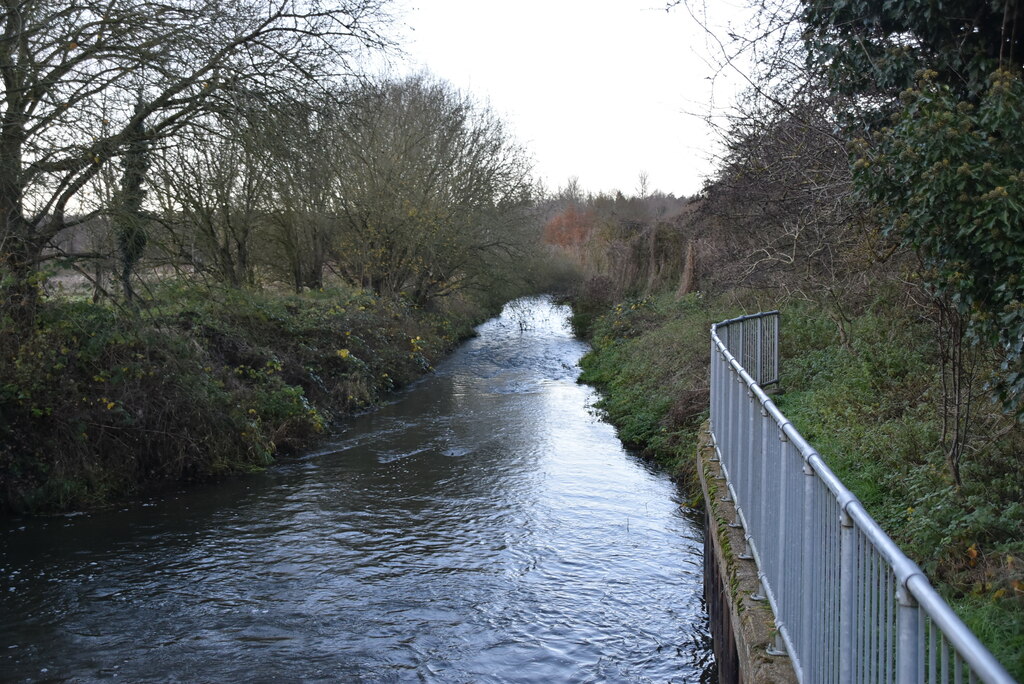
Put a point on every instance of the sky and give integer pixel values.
(598, 90)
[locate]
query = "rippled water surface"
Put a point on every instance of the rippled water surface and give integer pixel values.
(485, 527)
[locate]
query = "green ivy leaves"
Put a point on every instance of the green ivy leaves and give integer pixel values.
(948, 180)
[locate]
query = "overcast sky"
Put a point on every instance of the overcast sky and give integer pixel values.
(597, 89)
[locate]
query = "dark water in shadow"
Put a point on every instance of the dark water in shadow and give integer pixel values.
(485, 527)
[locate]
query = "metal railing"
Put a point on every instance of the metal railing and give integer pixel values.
(849, 605)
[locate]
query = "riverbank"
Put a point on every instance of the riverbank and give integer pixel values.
(459, 533)
(870, 401)
(649, 360)
(99, 403)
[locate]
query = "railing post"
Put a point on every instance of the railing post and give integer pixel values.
(807, 575)
(714, 399)
(747, 483)
(847, 609)
(727, 385)
(734, 426)
(742, 346)
(723, 396)
(760, 352)
(766, 433)
(908, 625)
(785, 528)
(775, 353)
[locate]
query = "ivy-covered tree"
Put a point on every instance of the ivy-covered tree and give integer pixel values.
(873, 49)
(128, 218)
(931, 91)
(948, 180)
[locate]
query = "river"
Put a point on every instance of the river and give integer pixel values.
(486, 526)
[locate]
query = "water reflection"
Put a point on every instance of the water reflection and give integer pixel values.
(485, 527)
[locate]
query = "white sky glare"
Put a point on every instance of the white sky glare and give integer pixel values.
(601, 89)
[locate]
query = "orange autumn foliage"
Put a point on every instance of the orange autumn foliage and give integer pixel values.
(570, 228)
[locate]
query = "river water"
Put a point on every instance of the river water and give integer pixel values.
(484, 527)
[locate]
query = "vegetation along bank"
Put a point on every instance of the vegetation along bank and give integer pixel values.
(100, 403)
(211, 252)
(871, 187)
(872, 407)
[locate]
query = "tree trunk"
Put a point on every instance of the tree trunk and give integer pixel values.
(19, 296)
(689, 266)
(19, 251)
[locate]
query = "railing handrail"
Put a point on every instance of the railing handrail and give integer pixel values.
(909, 576)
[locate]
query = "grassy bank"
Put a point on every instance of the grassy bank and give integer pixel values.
(871, 405)
(649, 360)
(99, 403)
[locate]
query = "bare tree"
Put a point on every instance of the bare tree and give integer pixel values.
(215, 193)
(85, 80)
(643, 188)
(302, 230)
(430, 186)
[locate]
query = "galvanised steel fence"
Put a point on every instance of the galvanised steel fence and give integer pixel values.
(849, 606)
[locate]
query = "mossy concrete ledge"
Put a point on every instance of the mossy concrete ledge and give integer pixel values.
(742, 628)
